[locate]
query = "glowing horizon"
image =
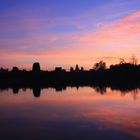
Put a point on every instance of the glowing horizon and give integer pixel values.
(68, 33)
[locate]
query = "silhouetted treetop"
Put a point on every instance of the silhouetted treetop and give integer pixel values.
(100, 66)
(133, 60)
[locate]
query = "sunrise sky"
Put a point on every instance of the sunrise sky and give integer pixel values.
(68, 32)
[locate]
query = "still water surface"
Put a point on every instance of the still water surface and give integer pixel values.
(71, 114)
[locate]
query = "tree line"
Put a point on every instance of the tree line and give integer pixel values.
(101, 65)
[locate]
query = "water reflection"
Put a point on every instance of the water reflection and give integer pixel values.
(72, 113)
(98, 89)
(36, 91)
(15, 90)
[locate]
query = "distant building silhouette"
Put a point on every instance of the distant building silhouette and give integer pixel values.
(77, 67)
(3, 70)
(71, 69)
(15, 69)
(82, 68)
(59, 69)
(36, 67)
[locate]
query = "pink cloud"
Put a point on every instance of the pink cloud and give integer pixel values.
(116, 39)
(121, 36)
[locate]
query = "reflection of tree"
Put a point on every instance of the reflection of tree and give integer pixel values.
(77, 87)
(24, 89)
(123, 93)
(101, 90)
(135, 93)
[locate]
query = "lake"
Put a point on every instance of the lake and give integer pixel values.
(81, 113)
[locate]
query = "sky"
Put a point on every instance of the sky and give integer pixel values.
(68, 32)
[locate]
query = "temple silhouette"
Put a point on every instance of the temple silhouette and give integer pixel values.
(122, 75)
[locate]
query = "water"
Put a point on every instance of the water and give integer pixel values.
(85, 113)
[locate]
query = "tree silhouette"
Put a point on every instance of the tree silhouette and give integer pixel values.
(122, 61)
(133, 60)
(100, 66)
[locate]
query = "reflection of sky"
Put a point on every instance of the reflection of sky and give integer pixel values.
(68, 32)
(82, 113)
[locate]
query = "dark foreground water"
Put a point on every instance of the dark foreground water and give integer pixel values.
(83, 114)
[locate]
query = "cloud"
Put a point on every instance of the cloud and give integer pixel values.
(121, 34)
(37, 38)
